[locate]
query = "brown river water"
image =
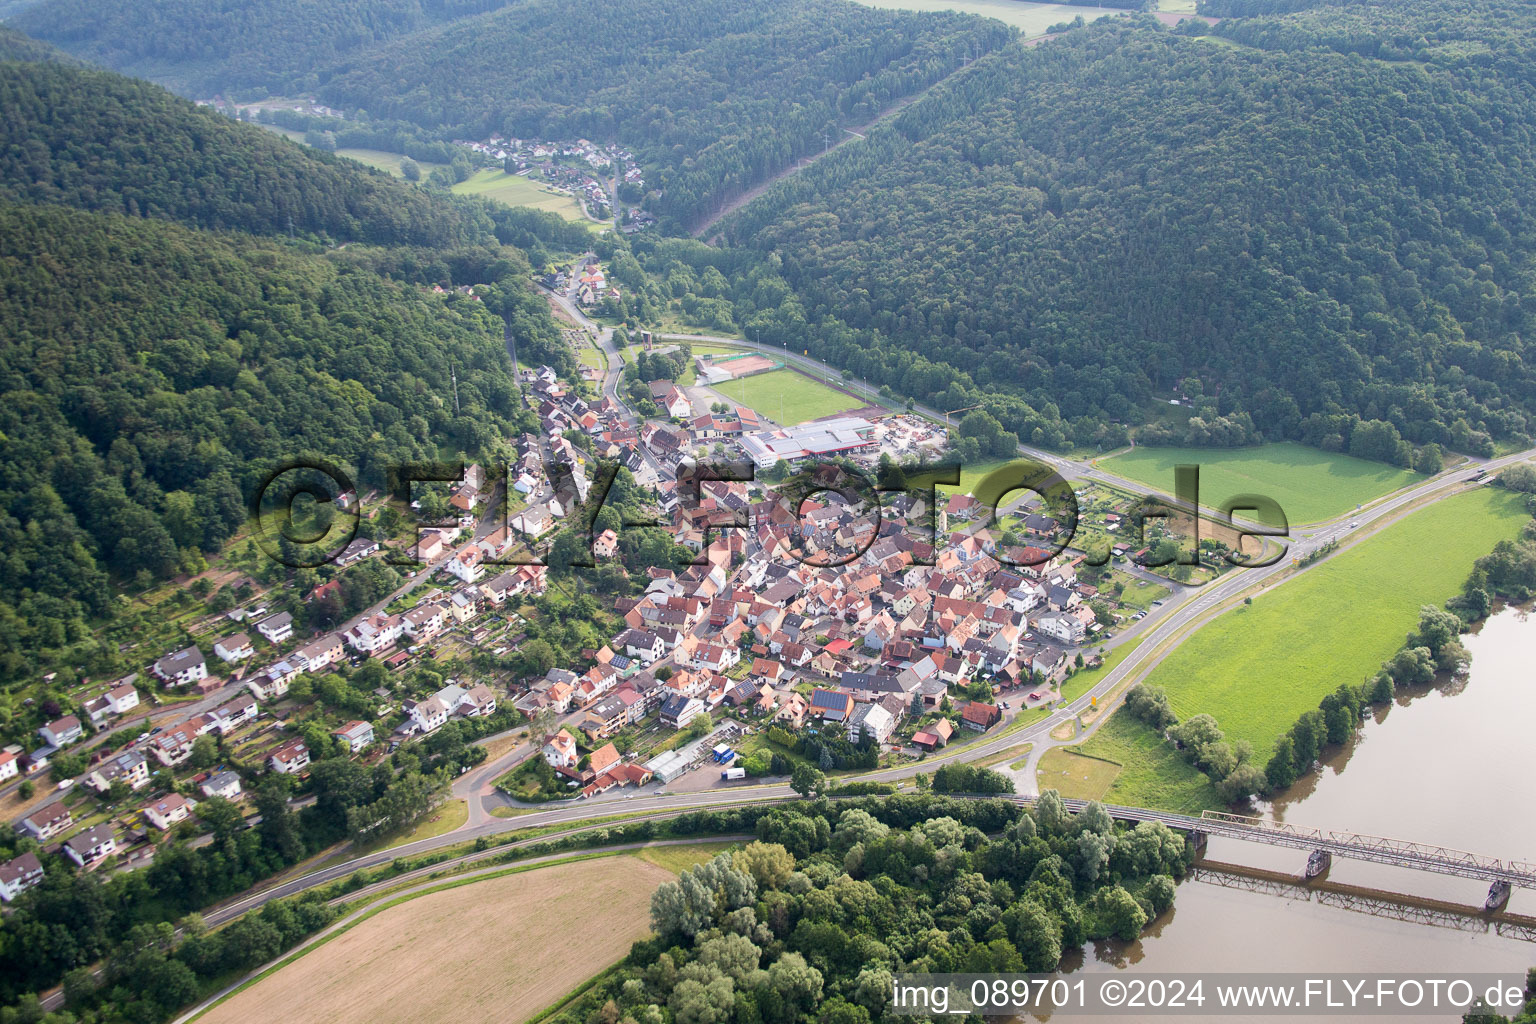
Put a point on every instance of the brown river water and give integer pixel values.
(1451, 763)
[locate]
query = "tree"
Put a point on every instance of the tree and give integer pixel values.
(769, 864)
(205, 751)
(410, 170)
(1281, 770)
(806, 780)
(66, 766)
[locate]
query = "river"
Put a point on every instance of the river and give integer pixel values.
(1447, 764)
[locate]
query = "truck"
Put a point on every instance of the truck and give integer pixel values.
(733, 773)
(720, 751)
(724, 754)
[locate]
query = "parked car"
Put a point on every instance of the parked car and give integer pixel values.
(1036, 695)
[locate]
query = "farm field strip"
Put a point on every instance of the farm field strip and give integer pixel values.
(517, 190)
(498, 949)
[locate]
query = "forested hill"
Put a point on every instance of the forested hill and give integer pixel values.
(102, 141)
(248, 46)
(712, 94)
(1316, 237)
(149, 372)
(16, 46)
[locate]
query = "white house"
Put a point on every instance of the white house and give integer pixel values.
(468, 564)
(61, 731)
(224, 784)
(560, 751)
(354, 735)
(376, 633)
(47, 822)
(236, 713)
(92, 846)
(130, 766)
(167, 811)
(234, 648)
(1068, 629)
(425, 621)
(19, 875)
(274, 629)
(428, 714)
(9, 769)
(290, 758)
(181, 667)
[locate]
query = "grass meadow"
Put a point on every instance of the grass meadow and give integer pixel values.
(1257, 668)
(1310, 485)
(517, 190)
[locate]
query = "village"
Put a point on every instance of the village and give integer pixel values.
(931, 626)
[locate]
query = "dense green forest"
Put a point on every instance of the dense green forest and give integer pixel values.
(208, 46)
(102, 141)
(715, 94)
(153, 369)
(811, 922)
(151, 372)
(1312, 238)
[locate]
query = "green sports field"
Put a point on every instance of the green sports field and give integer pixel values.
(787, 397)
(1257, 668)
(1309, 484)
(517, 190)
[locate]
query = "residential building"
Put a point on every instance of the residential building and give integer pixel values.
(831, 705)
(130, 766)
(354, 735)
(429, 713)
(234, 648)
(9, 769)
(181, 668)
(229, 717)
(979, 717)
(290, 758)
(19, 874)
(61, 732)
(376, 633)
(274, 629)
(318, 654)
(426, 621)
(47, 822)
(167, 811)
(560, 751)
(679, 710)
(92, 846)
(871, 720)
(224, 784)
(174, 746)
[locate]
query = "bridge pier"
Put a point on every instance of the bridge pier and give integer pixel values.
(1198, 842)
(1318, 863)
(1498, 896)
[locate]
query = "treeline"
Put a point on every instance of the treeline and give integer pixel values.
(250, 49)
(713, 95)
(1082, 225)
(811, 922)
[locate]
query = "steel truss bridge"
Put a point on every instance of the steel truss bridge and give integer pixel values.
(1325, 844)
